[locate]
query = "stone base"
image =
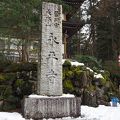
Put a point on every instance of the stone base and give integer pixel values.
(51, 107)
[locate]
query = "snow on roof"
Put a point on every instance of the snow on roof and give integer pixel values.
(42, 96)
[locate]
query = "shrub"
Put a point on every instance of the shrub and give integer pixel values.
(67, 65)
(89, 61)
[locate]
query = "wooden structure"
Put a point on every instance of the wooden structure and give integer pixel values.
(71, 24)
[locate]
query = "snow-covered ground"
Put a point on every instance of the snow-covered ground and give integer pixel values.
(10, 116)
(88, 113)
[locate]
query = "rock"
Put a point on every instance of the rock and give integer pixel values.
(89, 98)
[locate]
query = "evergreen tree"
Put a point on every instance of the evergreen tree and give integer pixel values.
(107, 27)
(104, 39)
(21, 19)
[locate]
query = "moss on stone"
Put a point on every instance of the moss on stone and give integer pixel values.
(68, 85)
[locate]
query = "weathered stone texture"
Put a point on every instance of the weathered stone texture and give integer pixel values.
(52, 107)
(50, 70)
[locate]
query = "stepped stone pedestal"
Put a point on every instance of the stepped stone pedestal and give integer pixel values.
(50, 72)
(51, 107)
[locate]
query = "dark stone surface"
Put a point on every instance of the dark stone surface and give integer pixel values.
(51, 107)
(89, 98)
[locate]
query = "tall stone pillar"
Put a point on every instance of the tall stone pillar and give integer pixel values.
(50, 70)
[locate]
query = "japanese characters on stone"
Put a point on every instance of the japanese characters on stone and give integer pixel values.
(51, 48)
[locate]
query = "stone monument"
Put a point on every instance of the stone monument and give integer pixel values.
(50, 77)
(50, 103)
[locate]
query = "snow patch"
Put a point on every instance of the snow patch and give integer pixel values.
(102, 71)
(42, 96)
(73, 63)
(101, 113)
(77, 63)
(89, 69)
(98, 76)
(63, 60)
